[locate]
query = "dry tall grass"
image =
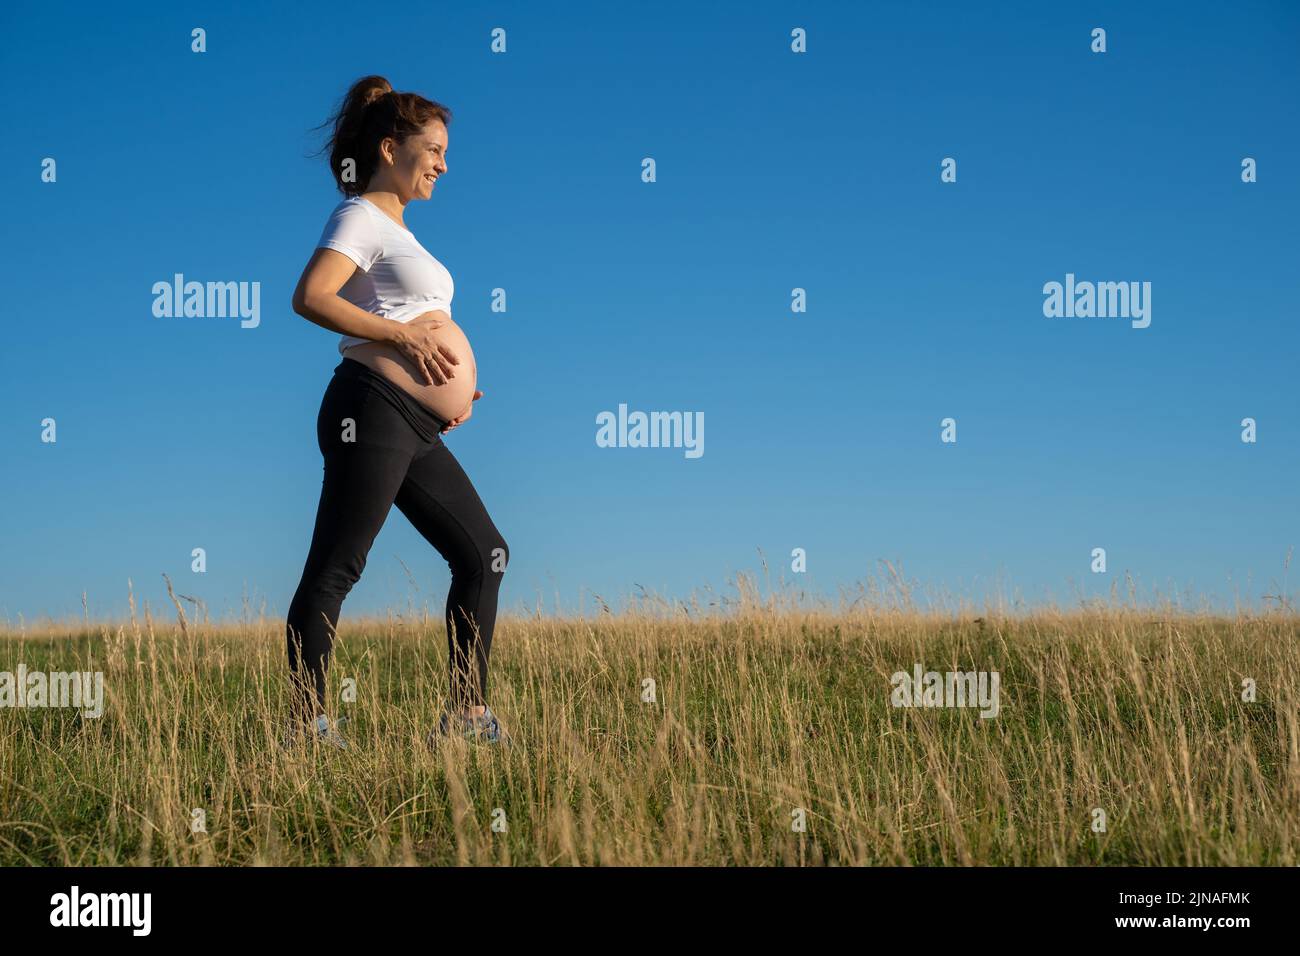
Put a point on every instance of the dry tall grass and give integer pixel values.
(759, 712)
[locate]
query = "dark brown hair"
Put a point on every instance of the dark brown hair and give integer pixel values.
(370, 112)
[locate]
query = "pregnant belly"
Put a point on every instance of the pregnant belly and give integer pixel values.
(449, 400)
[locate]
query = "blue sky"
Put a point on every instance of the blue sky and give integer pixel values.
(775, 171)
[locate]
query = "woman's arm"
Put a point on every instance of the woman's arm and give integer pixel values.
(317, 300)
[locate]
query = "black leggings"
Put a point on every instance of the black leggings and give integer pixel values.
(381, 447)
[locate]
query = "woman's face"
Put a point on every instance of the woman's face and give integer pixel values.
(417, 161)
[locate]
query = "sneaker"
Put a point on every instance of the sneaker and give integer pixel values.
(320, 730)
(485, 728)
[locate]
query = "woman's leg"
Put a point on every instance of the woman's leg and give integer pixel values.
(367, 447)
(439, 500)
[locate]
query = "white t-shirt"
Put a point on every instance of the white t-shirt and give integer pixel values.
(396, 277)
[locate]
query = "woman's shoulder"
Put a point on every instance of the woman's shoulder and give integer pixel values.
(352, 206)
(357, 215)
(353, 230)
(361, 210)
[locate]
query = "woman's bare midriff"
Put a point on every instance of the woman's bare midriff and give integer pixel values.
(449, 400)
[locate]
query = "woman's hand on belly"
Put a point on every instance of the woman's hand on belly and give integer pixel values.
(431, 358)
(463, 418)
(449, 399)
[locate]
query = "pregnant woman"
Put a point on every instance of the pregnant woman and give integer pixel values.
(407, 377)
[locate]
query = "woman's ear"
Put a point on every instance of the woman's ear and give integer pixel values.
(387, 149)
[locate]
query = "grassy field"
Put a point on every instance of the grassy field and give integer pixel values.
(758, 714)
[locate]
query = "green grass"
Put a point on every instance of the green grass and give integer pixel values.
(757, 714)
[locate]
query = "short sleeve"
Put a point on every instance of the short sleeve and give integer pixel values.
(352, 231)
